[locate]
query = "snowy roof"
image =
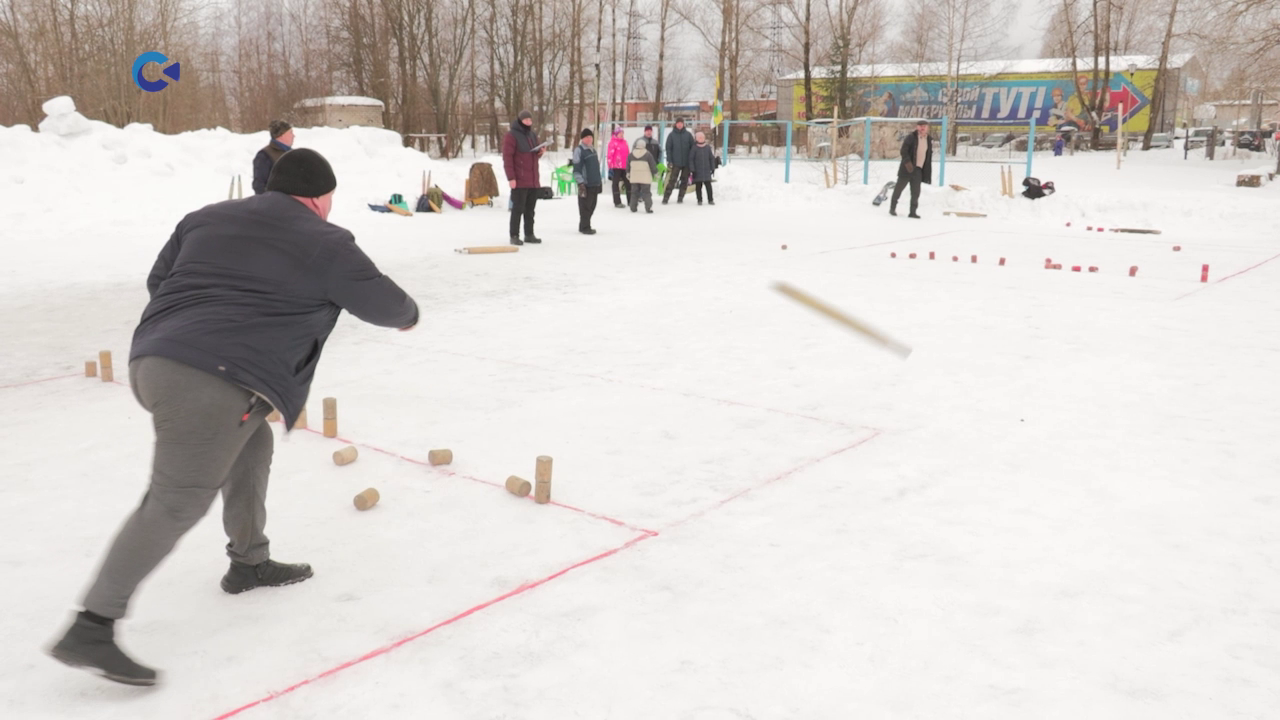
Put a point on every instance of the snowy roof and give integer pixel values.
(340, 100)
(1119, 63)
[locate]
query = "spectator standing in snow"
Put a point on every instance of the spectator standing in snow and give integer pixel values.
(642, 167)
(652, 145)
(243, 297)
(702, 163)
(916, 167)
(267, 157)
(586, 172)
(520, 155)
(679, 146)
(618, 152)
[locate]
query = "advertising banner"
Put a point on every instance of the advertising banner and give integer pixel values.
(999, 101)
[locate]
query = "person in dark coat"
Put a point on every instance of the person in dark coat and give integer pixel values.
(679, 146)
(243, 298)
(916, 167)
(702, 163)
(281, 143)
(586, 172)
(520, 155)
(652, 145)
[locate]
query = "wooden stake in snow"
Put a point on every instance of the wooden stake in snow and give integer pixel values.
(331, 417)
(104, 363)
(542, 480)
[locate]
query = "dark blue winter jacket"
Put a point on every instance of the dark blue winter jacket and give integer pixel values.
(249, 290)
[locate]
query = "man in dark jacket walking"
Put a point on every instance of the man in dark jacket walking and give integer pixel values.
(679, 148)
(586, 172)
(281, 142)
(520, 155)
(916, 167)
(243, 297)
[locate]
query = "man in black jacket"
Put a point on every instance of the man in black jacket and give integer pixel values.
(916, 166)
(243, 298)
(679, 150)
(281, 143)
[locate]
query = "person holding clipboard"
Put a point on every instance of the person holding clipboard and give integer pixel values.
(521, 152)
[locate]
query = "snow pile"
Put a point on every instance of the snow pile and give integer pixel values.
(62, 118)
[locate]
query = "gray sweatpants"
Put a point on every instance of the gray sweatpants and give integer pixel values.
(203, 446)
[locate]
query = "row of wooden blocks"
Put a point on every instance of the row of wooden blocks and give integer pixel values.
(104, 360)
(516, 485)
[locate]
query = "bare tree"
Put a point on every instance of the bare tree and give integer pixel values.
(1158, 98)
(665, 17)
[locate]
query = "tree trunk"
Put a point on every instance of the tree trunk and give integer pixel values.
(662, 53)
(1158, 92)
(807, 49)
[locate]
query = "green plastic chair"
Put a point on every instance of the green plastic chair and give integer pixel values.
(662, 177)
(565, 184)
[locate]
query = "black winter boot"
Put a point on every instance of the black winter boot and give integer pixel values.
(268, 573)
(515, 240)
(532, 239)
(90, 644)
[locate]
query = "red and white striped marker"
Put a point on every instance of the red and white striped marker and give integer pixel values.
(1177, 248)
(930, 254)
(1001, 262)
(912, 256)
(893, 255)
(1075, 268)
(955, 258)
(1204, 273)
(1093, 268)
(1133, 271)
(973, 258)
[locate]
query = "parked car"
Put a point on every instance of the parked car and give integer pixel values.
(1198, 137)
(1161, 141)
(1250, 140)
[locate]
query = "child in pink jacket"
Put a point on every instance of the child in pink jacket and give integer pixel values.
(617, 157)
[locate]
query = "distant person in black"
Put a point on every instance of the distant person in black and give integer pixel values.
(267, 157)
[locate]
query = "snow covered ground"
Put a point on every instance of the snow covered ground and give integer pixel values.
(1062, 505)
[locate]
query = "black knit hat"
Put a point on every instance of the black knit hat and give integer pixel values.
(524, 115)
(278, 128)
(302, 172)
(586, 132)
(648, 127)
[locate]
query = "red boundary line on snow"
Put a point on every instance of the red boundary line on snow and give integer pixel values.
(37, 382)
(1224, 279)
(445, 623)
(776, 478)
(482, 481)
(530, 586)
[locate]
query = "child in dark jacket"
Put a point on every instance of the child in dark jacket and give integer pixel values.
(702, 163)
(641, 168)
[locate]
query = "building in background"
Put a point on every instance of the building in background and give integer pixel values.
(339, 111)
(1003, 94)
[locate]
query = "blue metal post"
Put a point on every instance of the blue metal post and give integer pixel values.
(788, 173)
(866, 152)
(1031, 144)
(942, 167)
(724, 153)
